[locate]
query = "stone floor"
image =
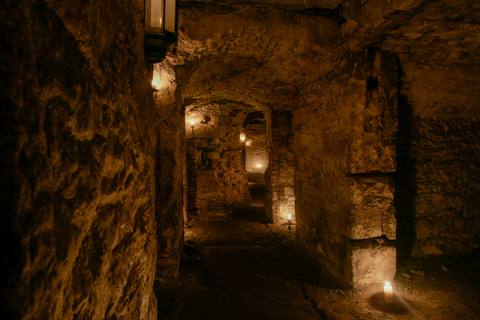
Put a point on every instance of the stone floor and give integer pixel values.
(242, 268)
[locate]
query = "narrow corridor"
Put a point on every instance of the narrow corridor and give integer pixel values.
(239, 268)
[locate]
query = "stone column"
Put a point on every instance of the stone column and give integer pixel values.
(345, 150)
(282, 167)
(371, 256)
(169, 170)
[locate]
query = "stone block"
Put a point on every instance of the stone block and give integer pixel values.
(372, 212)
(208, 185)
(374, 122)
(424, 229)
(213, 155)
(371, 261)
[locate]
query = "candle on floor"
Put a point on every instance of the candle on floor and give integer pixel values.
(388, 291)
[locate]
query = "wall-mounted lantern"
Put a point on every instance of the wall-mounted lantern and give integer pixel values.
(161, 25)
(242, 136)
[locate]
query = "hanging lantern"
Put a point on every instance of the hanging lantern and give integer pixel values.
(161, 24)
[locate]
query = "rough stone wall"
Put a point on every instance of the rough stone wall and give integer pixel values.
(438, 160)
(170, 153)
(216, 175)
(439, 155)
(282, 168)
(447, 179)
(344, 147)
(78, 225)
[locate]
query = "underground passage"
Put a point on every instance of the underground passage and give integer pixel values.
(267, 159)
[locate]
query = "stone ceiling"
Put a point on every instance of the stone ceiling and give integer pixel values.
(440, 54)
(254, 56)
(323, 4)
(263, 56)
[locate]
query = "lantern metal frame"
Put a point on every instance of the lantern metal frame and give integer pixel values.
(159, 41)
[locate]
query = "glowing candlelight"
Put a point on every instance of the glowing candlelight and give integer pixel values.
(259, 165)
(192, 124)
(388, 291)
(289, 219)
(243, 136)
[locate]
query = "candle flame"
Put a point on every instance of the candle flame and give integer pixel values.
(192, 122)
(289, 217)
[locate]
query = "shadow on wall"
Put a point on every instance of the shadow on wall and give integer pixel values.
(11, 254)
(405, 180)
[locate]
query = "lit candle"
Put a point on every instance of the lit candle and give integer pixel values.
(388, 291)
(242, 136)
(289, 219)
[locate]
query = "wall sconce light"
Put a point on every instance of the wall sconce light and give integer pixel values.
(242, 136)
(161, 25)
(156, 85)
(192, 124)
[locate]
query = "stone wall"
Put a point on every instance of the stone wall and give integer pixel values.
(439, 152)
(439, 158)
(216, 175)
(345, 129)
(447, 186)
(78, 225)
(282, 168)
(170, 154)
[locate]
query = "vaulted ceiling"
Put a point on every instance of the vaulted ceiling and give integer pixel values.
(299, 4)
(262, 53)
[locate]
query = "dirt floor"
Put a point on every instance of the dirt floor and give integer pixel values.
(242, 268)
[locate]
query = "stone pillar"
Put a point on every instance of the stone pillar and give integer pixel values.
(371, 256)
(282, 167)
(169, 170)
(345, 149)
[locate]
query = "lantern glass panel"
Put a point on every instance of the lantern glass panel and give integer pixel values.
(154, 16)
(170, 14)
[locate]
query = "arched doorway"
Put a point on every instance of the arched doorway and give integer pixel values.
(256, 156)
